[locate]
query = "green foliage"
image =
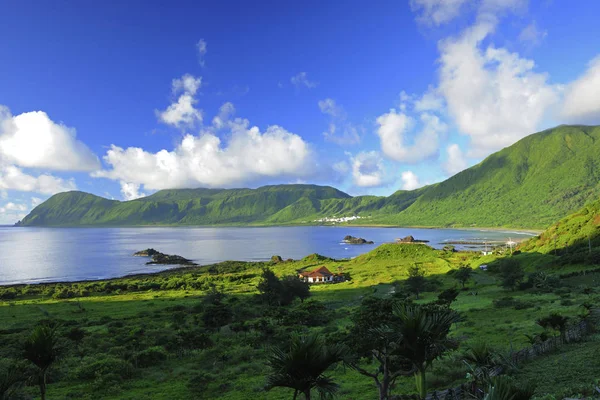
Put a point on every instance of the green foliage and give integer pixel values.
(463, 274)
(151, 356)
(302, 365)
(416, 281)
(102, 365)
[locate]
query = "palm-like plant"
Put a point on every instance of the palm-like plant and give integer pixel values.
(41, 349)
(302, 366)
(424, 333)
(481, 359)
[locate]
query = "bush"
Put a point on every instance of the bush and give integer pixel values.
(103, 365)
(151, 356)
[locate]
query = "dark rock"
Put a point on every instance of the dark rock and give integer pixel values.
(146, 253)
(355, 240)
(411, 239)
(161, 258)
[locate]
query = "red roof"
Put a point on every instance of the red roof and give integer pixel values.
(319, 272)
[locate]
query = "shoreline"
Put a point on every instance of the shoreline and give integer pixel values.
(530, 231)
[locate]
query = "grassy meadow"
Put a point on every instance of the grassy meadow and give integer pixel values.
(155, 336)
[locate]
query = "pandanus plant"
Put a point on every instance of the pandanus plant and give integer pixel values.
(42, 350)
(302, 366)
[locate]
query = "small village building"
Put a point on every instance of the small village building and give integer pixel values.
(320, 275)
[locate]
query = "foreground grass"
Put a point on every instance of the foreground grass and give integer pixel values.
(119, 321)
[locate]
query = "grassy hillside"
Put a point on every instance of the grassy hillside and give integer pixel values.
(530, 184)
(576, 233)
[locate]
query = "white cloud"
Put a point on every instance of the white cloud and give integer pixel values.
(10, 206)
(494, 96)
(339, 130)
(186, 84)
(410, 181)
(205, 160)
(182, 112)
(131, 191)
(301, 79)
(531, 35)
(456, 160)
(329, 106)
(33, 140)
(12, 212)
(437, 12)
(582, 97)
(36, 201)
(430, 101)
(394, 128)
(13, 178)
(225, 113)
(367, 169)
(201, 46)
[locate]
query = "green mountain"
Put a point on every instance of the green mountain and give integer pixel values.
(530, 184)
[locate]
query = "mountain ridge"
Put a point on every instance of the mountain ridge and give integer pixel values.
(530, 184)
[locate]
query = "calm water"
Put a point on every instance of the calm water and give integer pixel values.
(68, 254)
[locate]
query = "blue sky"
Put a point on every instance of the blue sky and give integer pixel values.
(122, 99)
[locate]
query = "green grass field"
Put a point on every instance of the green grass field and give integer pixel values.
(122, 319)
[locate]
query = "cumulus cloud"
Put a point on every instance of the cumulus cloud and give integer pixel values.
(33, 140)
(455, 161)
(431, 100)
(394, 128)
(131, 191)
(201, 46)
(367, 169)
(410, 181)
(339, 131)
(531, 35)
(207, 160)
(301, 80)
(582, 97)
(12, 212)
(182, 111)
(13, 178)
(494, 96)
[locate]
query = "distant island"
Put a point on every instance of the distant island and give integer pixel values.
(530, 184)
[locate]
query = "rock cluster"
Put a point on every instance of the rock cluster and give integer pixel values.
(356, 240)
(161, 258)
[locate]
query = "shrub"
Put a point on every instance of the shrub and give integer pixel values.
(151, 356)
(103, 365)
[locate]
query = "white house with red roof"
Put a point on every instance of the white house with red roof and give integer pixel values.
(320, 275)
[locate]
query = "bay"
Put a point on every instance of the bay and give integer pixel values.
(32, 255)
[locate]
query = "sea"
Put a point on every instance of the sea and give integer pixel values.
(34, 255)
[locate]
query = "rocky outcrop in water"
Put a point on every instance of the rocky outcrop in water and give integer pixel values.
(356, 240)
(411, 239)
(161, 258)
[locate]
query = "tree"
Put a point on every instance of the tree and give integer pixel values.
(294, 288)
(447, 296)
(374, 337)
(416, 282)
(216, 313)
(554, 321)
(463, 274)
(512, 273)
(270, 287)
(302, 366)
(424, 330)
(42, 350)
